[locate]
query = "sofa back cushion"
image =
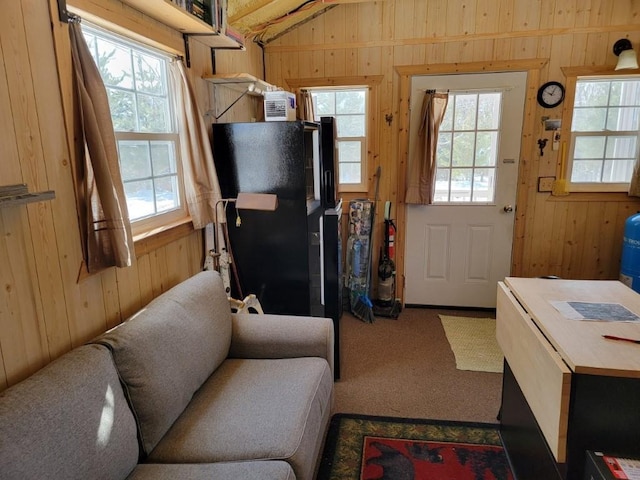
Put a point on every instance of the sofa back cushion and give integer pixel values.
(68, 421)
(166, 351)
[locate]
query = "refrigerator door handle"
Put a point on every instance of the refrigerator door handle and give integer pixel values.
(321, 220)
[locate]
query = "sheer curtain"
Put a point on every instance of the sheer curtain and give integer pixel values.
(102, 208)
(202, 189)
(421, 169)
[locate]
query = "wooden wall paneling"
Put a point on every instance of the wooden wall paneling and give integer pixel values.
(335, 61)
(558, 234)
(538, 261)
(608, 243)
(436, 13)
(600, 12)
(525, 195)
(560, 55)
(420, 11)
(599, 49)
(526, 16)
(176, 268)
(145, 280)
(405, 19)
(128, 283)
(505, 15)
(624, 10)
(565, 15)
(591, 245)
(369, 61)
(111, 299)
(460, 17)
(575, 239)
(90, 317)
(22, 329)
(58, 166)
(578, 50)
(486, 18)
(547, 13)
(20, 49)
(502, 48)
(483, 50)
(403, 102)
(525, 47)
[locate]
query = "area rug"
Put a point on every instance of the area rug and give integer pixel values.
(474, 344)
(360, 447)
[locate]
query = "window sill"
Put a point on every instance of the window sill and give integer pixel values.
(592, 197)
(147, 242)
(155, 238)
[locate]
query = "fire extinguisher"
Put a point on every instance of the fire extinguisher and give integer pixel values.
(391, 237)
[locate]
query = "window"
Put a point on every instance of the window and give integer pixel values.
(349, 107)
(136, 80)
(467, 148)
(604, 133)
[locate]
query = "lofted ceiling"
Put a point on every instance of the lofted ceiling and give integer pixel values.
(265, 20)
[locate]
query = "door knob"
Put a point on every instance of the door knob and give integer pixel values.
(508, 208)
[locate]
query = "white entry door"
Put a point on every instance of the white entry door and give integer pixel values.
(458, 248)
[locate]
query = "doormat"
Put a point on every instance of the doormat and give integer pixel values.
(361, 447)
(474, 344)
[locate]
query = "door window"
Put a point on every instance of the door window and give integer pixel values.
(467, 149)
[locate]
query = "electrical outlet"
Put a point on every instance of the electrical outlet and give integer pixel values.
(545, 184)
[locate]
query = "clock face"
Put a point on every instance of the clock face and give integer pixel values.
(551, 94)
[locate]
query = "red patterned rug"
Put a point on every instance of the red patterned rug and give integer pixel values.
(380, 448)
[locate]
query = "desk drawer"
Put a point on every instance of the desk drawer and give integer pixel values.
(543, 377)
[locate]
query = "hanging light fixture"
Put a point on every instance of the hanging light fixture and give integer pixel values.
(627, 58)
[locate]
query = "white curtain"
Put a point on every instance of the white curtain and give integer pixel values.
(202, 189)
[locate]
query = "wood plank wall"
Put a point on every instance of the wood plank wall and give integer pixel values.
(44, 310)
(573, 237)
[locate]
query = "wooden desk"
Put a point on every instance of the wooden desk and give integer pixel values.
(566, 389)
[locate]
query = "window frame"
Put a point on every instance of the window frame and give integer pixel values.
(475, 130)
(371, 82)
(363, 140)
(152, 224)
(572, 75)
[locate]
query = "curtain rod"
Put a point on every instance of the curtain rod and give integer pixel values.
(65, 15)
(475, 90)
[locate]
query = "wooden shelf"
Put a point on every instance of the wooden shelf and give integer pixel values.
(12, 195)
(240, 81)
(179, 19)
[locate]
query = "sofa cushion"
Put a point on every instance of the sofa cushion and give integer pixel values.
(255, 410)
(68, 421)
(215, 471)
(169, 348)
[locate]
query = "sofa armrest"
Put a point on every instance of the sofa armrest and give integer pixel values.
(281, 336)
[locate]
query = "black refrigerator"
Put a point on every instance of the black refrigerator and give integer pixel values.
(277, 254)
(289, 258)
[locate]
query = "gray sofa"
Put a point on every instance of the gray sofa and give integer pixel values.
(182, 390)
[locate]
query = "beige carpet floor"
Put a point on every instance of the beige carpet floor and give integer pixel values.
(405, 368)
(473, 342)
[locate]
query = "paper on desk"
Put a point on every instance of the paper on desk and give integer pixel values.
(623, 468)
(595, 311)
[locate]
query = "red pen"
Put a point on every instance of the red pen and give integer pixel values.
(612, 337)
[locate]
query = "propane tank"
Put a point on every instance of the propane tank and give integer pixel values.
(630, 261)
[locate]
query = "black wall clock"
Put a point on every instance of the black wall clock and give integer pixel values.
(551, 94)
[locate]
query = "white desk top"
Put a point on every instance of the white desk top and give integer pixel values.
(580, 342)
